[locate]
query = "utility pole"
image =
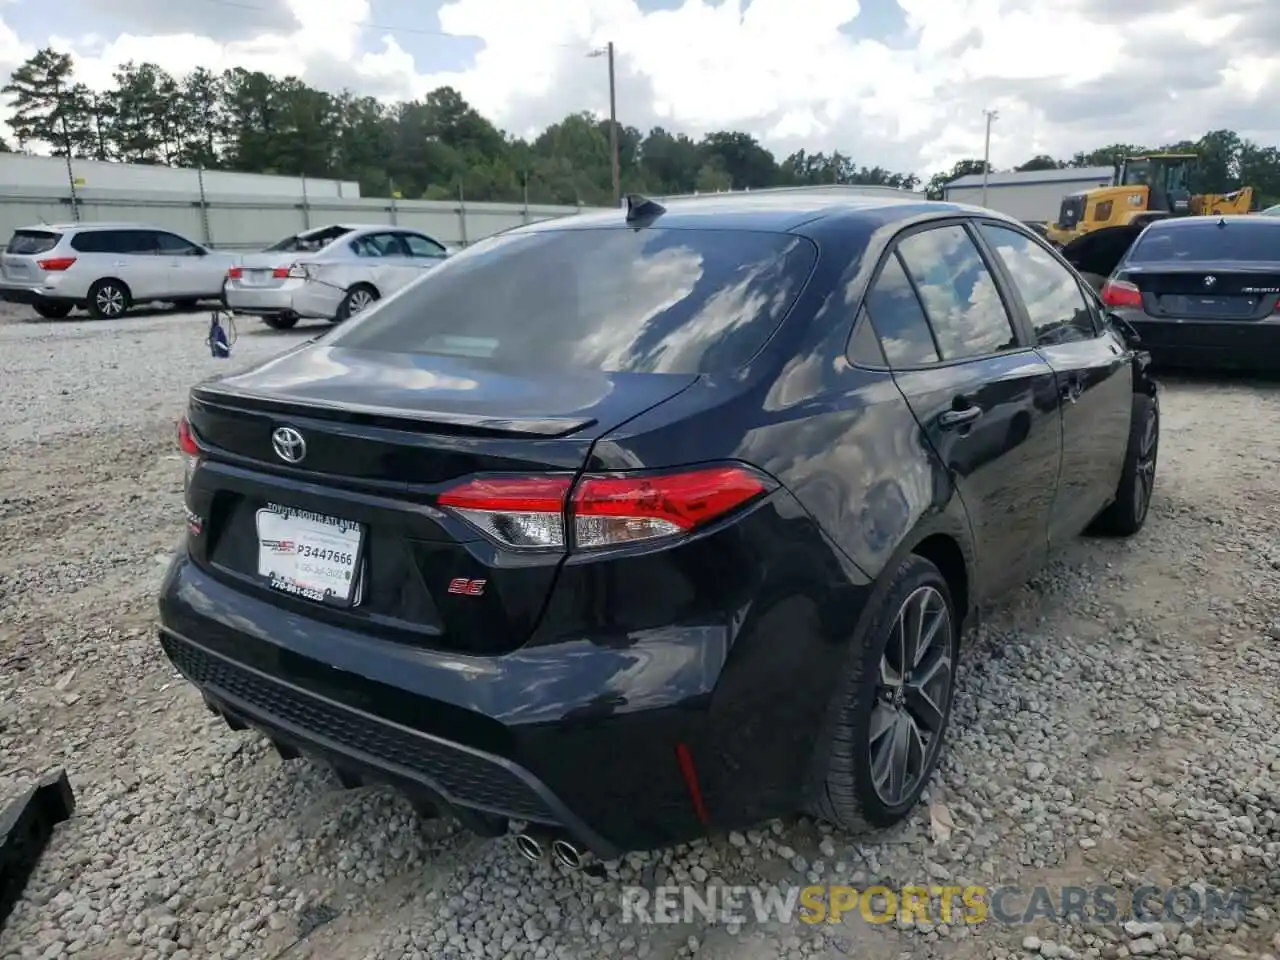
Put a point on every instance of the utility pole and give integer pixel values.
(986, 153)
(607, 51)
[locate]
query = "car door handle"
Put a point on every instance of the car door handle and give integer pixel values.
(951, 419)
(1072, 389)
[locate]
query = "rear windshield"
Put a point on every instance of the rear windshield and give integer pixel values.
(637, 301)
(32, 241)
(308, 242)
(1238, 240)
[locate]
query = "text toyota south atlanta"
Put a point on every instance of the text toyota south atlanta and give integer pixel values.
(631, 526)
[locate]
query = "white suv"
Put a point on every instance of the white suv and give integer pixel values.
(107, 267)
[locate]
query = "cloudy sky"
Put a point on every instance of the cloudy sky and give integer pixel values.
(899, 83)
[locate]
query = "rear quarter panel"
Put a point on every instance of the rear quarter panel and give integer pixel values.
(861, 489)
(841, 439)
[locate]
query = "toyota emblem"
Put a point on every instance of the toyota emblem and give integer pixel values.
(288, 444)
(1210, 281)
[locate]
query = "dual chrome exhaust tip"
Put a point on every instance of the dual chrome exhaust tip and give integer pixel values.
(534, 847)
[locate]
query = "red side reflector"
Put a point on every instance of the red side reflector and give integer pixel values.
(1121, 293)
(690, 774)
(56, 264)
(235, 273)
(186, 440)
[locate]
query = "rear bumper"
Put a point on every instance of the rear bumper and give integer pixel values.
(31, 294)
(260, 302)
(584, 735)
(1217, 344)
(463, 780)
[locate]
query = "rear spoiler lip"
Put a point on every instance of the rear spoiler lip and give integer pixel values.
(452, 422)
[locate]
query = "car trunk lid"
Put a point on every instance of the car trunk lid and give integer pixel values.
(1207, 291)
(383, 436)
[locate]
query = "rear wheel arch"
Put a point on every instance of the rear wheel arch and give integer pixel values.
(353, 291)
(945, 553)
(944, 540)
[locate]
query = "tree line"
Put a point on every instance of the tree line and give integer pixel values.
(440, 147)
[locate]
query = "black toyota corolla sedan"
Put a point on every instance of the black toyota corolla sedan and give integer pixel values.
(622, 528)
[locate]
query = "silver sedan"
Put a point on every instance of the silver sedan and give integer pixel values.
(329, 273)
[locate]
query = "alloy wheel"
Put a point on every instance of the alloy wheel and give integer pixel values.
(913, 690)
(360, 299)
(110, 301)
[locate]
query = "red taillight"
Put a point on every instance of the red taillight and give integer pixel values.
(56, 264)
(1121, 293)
(605, 510)
(235, 273)
(186, 440)
(280, 273)
(619, 509)
(515, 511)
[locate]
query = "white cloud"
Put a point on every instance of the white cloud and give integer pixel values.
(1064, 74)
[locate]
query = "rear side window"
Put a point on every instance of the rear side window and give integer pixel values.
(959, 294)
(898, 318)
(420, 246)
(618, 300)
(1256, 240)
(1054, 301)
(310, 242)
(114, 241)
(32, 241)
(171, 243)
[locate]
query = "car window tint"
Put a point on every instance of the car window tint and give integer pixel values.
(32, 242)
(420, 246)
(141, 242)
(898, 318)
(618, 300)
(864, 345)
(171, 243)
(1055, 304)
(959, 294)
(379, 245)
(98, 241)
(1256, 240)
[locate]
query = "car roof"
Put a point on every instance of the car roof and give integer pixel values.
(774, 213)
(1182, 223)
(94, 225)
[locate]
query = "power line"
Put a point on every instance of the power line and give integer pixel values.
(385, 27)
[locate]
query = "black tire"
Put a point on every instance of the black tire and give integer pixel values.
(280, 321)
(360, 295)
(848, 795)
(1128, 512)
(109, 299)
(53, 311)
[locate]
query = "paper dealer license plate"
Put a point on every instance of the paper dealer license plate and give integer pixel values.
(307, 554)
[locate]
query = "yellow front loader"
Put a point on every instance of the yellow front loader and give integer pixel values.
(1143, 189)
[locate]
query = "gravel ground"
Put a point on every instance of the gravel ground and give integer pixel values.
(1114, 725)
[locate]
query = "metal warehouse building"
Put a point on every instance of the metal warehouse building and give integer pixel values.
(1034, 195)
